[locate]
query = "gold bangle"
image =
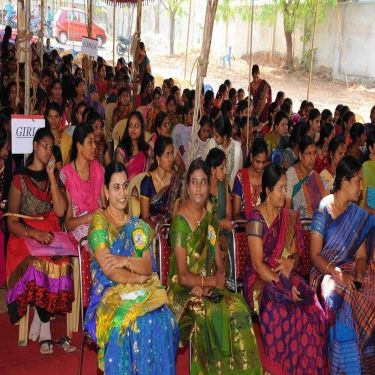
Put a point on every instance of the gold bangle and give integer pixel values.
(327, 267)
(202, 281)
(26, 231)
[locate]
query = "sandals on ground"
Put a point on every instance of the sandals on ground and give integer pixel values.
(46, 346)
(66, 344)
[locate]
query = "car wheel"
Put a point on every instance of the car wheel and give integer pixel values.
(120, 49)
(100, 41)
(63, 38)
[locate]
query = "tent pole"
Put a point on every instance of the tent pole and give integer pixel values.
(41, 33)
(114, 33)
(187, 40)
(312, 50)
(202, 66)
(250, 67)
(135, 52)
(341, 43)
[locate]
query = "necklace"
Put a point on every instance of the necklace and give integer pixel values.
(268, 215)
(120, 222)
(338, 204)
(198, 221)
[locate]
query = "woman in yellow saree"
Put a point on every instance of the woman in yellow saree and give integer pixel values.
(217, 322)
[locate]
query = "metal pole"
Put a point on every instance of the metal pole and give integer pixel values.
(114, 33)
(312, 50)
(250, 64)
(28, 59)
(341, 43)
(187, 40)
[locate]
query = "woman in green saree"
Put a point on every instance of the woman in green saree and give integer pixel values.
(217, 322)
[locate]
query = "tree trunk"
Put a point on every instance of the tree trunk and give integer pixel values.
(172, 18)
(157, 18)
(226, 35)
(289, 49)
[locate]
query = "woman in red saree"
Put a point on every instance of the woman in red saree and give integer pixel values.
(133, 151)
(261, 93)
(248, 182)
(292, 322)
(35, 203)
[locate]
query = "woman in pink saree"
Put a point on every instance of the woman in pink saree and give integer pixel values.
(133, 151)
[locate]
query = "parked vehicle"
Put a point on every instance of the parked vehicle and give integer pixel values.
(123, 44)
(71, 24)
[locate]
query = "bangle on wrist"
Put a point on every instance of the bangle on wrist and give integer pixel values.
(327, 268)
(54, 186)
(202, 281)
(26, 232)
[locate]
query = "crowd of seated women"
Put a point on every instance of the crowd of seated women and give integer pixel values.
(303, 182)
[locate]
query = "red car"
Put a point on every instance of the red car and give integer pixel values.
(71, 24)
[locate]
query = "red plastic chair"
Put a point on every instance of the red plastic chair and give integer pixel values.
(241, 253)
(305, 262)
(164, 251)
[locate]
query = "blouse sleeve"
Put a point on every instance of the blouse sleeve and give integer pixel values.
(237, 186)
(319, 220)
(255, 226)
(17, 182)
(179, 232)
(98, 233)
(145, 188)
(289, 183)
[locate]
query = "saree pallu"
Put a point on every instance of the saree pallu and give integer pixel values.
(351, 313)
(162, 202)
(306, 196)
(221, 333)
(293, 333)
(135, 165)
(45, 282)
(131, 323)
(248, 192)
(263, 90)
(2, 258)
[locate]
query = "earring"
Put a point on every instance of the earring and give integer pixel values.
(268, 198)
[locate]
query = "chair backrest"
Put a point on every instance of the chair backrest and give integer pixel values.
(305, 262)
(134, 190)
(241, 249)
(164, 252)
(118, 132)
(109, 107)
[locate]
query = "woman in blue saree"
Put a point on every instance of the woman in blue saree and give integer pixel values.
(128, 315)
(341, 274)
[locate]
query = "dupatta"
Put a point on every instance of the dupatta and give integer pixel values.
(313, 190)
(115, 304)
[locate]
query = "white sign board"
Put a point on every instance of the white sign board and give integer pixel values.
(23, 128)
(90, 46)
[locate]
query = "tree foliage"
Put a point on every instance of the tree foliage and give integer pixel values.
(295, 13)
(173, 8)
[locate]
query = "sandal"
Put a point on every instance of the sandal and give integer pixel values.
(46, 346)
(66, 344)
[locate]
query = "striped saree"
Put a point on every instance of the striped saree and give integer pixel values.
(351, 313)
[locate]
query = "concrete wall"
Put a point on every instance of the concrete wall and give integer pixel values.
(358, 32)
